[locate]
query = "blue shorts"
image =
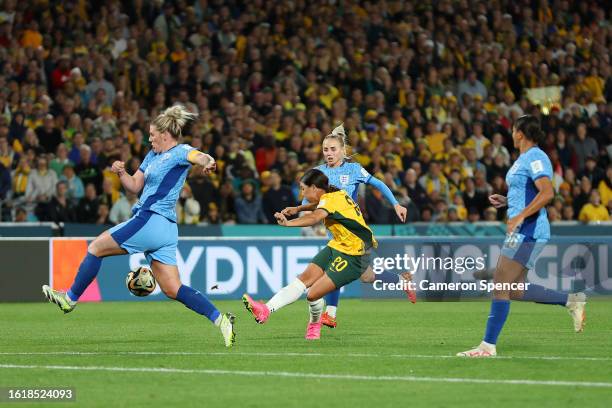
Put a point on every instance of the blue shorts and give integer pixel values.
(523, 249)
(150, 233)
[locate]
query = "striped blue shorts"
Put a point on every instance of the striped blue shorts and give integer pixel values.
(150, 233)
(523, 249)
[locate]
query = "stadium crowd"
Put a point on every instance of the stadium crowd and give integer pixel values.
(427, 91)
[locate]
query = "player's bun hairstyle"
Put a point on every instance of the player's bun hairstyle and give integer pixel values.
(173, 119)
(317, 178)
(338, 134)
(530, 126)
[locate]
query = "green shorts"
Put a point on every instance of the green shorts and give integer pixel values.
(341, 268)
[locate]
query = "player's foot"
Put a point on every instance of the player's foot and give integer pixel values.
(410, 293)
(59, 298)
(313, 331)
(483, 350)
(329, 321)
(576, 305)
(259, 310)
(226, 325)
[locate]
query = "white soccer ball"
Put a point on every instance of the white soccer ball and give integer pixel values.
(140, 282)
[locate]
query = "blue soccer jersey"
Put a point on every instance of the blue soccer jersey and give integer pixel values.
(164, 175)
(521, 177)
(346, 177)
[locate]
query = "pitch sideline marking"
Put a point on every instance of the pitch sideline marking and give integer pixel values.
(288, 374)
(288, 354)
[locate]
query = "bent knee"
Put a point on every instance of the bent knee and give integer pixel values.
(311, 296)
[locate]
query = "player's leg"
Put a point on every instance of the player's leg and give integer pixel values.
(331, 300)
(287, 295)
(167, 276)
(291, 292)
(507, 271)
(403, 279)
(103, 245)
(575, 303)
(323, 286)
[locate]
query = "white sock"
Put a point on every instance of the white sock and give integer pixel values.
(316, 309)
(286, 295)
(217, 321)
(331, 311)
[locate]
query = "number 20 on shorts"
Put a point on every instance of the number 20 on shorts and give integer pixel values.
(339, 264)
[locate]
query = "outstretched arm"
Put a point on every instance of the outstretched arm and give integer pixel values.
(289, 211)
(386, 191)
(307, 220)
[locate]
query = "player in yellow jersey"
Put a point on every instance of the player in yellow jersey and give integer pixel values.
(343, 260)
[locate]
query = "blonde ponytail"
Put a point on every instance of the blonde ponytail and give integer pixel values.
(173, 119)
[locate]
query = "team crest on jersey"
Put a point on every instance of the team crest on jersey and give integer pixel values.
(514, 168)
(165, 157)
(344, 179)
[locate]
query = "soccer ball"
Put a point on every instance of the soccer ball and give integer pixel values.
(141, 281)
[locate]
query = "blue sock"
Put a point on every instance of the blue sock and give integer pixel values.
(333, 298)
(197, 302)
(87, 273)
(497, 318)
(539, 294)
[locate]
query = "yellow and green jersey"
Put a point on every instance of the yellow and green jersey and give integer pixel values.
(344, 221)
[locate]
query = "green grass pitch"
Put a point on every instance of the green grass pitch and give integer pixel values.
(383, 353)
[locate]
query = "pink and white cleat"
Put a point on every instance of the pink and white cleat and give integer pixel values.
(483, 350)
(313, 331)
(259, 310)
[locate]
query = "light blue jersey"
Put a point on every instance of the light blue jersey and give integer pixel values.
(164, 175)
(152, 229)
(525, 245)
(346, 177)
(530, 166)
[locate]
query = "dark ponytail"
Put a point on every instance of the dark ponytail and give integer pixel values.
(530, 126)
(317, 178)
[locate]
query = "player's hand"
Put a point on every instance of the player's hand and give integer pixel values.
(498, 200)
(211, 166)
(514, 223)
(401, 212)
(289, 211)
(118, 168)
(281, 219)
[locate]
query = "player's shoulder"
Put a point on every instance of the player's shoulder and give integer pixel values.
(332, 197)
(184, 147)
(536, 153)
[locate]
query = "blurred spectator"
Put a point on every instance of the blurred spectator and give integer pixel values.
(21, 215)
(122, 209)
(41, 187)
(60, 160)
(103, 214)
(87, 210)
(584, 146)
(187, 207)
(48, 135)
(594, 210)
(86, 170)
(249, 208)
(277, 197)
(605, 188)
(60, 207)
(418, 86)
(5, 181)
(75, 186)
